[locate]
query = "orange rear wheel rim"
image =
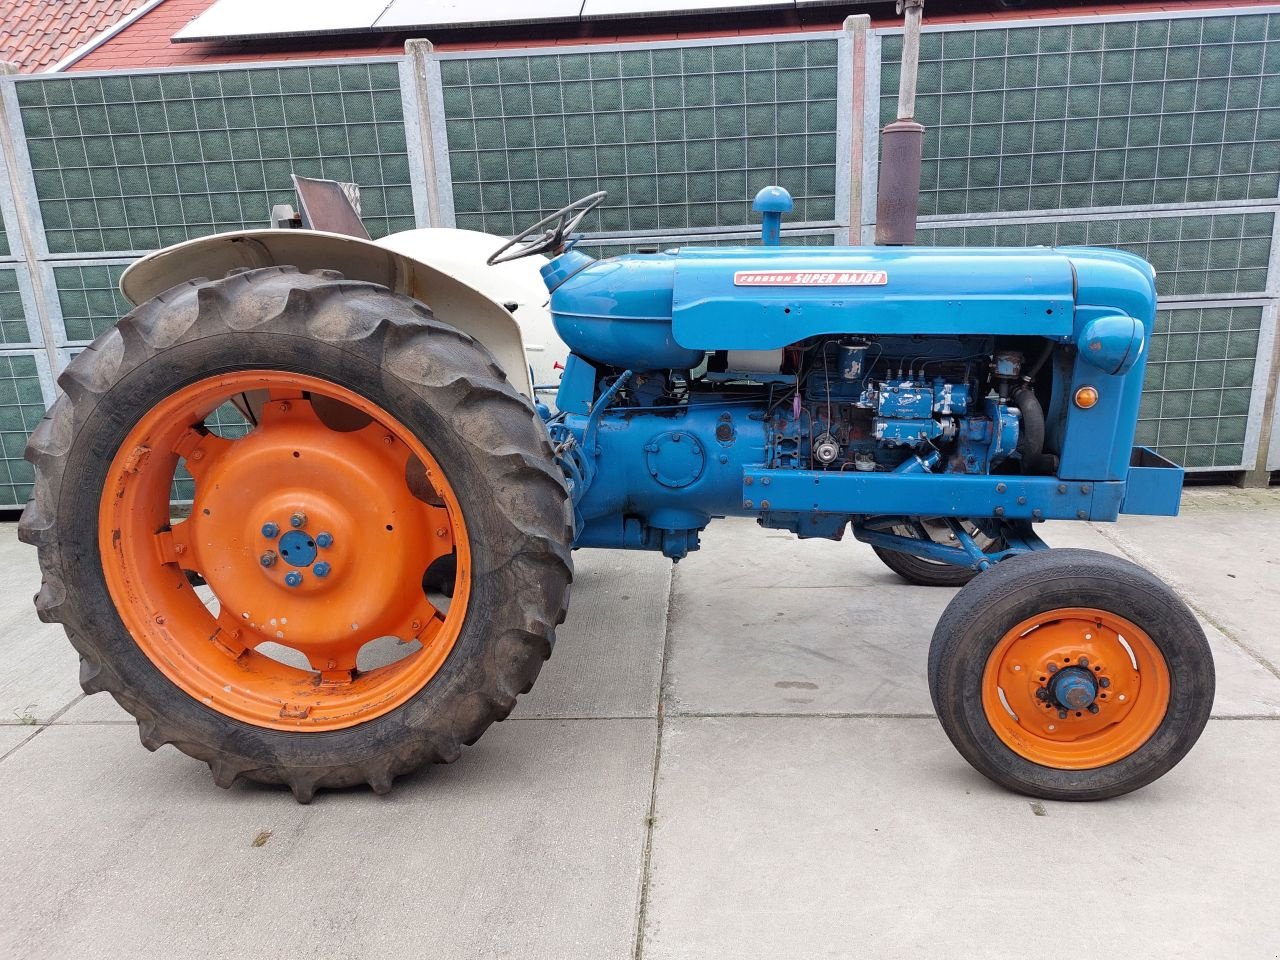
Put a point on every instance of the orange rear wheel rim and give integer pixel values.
(361, 509)
(1038, 666)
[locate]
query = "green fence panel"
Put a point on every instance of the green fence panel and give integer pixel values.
(1097, 114)
(682, 137)
(1196, 254)
(89, 298)
(14, 328)
(130, 162)
(1199, 381)
(615, 248)
(21, 408)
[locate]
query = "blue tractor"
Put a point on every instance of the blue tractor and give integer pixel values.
(378, 550)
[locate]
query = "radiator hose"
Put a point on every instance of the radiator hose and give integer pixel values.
(1031, 442)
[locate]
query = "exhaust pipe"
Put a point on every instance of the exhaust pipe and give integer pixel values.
(902, 143)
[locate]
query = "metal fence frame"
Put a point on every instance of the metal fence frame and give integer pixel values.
(859, 61)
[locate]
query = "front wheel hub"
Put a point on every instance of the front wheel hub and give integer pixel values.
(1073, 688)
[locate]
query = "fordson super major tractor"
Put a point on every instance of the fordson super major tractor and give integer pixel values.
(395, 477)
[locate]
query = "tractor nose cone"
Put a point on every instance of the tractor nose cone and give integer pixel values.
(1074, 688)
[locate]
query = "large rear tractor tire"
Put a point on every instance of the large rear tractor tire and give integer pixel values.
(288, 630)
(1070, 675)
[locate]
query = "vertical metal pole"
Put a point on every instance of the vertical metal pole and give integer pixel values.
(902, 143)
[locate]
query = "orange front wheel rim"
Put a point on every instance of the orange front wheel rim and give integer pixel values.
(1075, 688)
(313, 532)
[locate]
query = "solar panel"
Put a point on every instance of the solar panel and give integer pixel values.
(601, 9)
(250, 19)
(404, 14)
(280, 18)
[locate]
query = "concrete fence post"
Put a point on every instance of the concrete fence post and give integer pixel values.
(425, 133)
(856, 28)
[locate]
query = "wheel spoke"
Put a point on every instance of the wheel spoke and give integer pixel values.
(335, 664)
(231, 636)
(201, 449)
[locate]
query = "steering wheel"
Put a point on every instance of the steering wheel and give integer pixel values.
(566, 220)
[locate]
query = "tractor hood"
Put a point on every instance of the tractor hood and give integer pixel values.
(765, 298)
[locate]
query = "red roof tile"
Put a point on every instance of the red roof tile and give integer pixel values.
(36, 34)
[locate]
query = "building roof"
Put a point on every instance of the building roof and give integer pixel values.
(36, 34)
(146, 43)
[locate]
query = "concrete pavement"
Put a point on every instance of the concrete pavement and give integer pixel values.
(738, 761)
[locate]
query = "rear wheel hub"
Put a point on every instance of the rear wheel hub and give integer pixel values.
(309, 536)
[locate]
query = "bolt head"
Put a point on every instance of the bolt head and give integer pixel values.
(1093, 708)
(321, 569)
(1104, 682)
(293, 578)
(270, 530)
(268, 559)
(298, 520)
(324, 540)
(1062, 714)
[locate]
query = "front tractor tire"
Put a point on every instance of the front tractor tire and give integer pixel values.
(1070, 675)
(293, 628)
(923, 572)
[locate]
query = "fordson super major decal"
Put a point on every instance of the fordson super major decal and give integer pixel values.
(810, 278)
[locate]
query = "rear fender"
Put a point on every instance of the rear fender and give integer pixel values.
(453, 300)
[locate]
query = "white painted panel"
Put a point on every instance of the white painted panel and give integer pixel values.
(404, 14)
(253, 18)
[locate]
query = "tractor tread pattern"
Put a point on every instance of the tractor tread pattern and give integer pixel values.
(401, 338)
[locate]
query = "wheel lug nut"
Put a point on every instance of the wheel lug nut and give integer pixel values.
(1104, 682)
(1052, 668)
(1062, 714)
(321, 569)
(1042, 693)
(298, 520)
(1093, 708)
(1083, 662)
(268, 559)
(324, 540)
(293, 578)
(269, 530)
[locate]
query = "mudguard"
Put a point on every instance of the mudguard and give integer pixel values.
(444, 269)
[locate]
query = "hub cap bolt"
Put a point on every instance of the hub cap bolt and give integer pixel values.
(321, 569)
(269, 530)
(268, 559)
(1093, 708)
(324, 540)
(293, 578)
(298, 520)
